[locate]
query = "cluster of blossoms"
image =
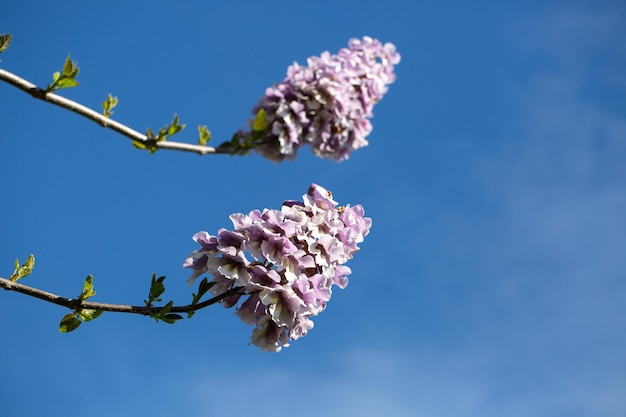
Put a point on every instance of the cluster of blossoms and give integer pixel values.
(326, 104)
(286, 260)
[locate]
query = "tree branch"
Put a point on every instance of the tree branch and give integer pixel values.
(102, 120)
(76, 304)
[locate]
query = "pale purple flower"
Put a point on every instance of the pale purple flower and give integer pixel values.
(326, 104)
(286, 260)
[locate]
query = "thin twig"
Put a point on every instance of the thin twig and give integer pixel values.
(76, 304)
(102, 120)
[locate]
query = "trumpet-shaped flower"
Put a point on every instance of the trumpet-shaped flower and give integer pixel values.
(285, 261)
(326, 104)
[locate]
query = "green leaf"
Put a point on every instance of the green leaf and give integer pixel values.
(231, 146)
(164, 132)
(139, 145)
(171, 318)
(66, 78)
(88, 315)
(156, 289)
(24, 270)
(204, 286)
(174, 127)
(66, 83)
(165, 315)
(260, 121)
(168, 130)
(69, 68)
(69, 323)
(87, 289)
(204, 135)
(108, 105)
(166, 309)
(149, 146)
(5, 41)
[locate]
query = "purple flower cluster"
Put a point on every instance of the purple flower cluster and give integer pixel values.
(328, 103)
(287, 261)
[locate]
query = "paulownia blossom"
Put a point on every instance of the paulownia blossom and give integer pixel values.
(286, 260)
(326, 104)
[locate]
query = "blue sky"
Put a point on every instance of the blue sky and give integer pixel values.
(492, 283)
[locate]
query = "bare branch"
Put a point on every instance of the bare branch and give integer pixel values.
(76, 304)
(102, 120)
